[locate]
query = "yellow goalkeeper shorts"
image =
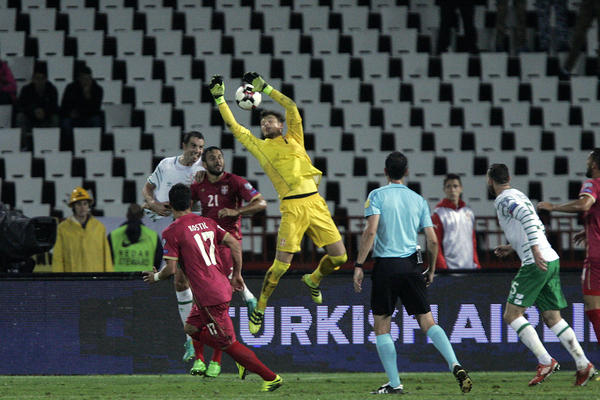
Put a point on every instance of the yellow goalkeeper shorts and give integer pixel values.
(308, 215)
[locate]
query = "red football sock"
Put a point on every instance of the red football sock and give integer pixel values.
(594, 317)
(217, 354)
(198, 349)
(248, 359)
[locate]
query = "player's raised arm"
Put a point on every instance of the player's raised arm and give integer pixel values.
(241, 133)
(292, 115)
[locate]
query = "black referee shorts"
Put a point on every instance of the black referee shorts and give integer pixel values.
(398, 278)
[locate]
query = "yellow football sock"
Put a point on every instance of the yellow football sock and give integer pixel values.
(270, 282)
(326, 266)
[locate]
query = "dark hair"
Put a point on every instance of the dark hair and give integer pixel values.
(191, 134)
(396, 165)
(40, 68)
(180, 197)
(266, 113)
(450, 177)
(135, 213)
(84, 69)
(499, 173)
(208, 150)
(595, 155)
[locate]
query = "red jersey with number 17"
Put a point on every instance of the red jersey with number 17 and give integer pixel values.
(591, 187)
(193, 240)
(227, 192)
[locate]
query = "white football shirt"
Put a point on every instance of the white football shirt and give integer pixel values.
(168, 173)
(522, 226)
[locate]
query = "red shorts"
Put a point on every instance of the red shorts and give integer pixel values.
(226, 260)
(590, 278)
(217, 322)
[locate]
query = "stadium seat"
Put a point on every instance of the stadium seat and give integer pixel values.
(45, 140)
(516, 114)
(57, 165)
(404, 41)
(354, 18)
(556, 114)
(346, 91)
(10, 140)
(12, 44)
(28, 191)
(455, 65)
(591, 116)
(325, 41)
(207, 42)
(505, 90)
(533, 65)
(246, 42)
(178, 68)
(493, 65)
(166, 140)
(465, 90)
(101, 66)
(109, 191)
(297, 66)
(567, 139)
(477, 115)
(98, 164)
(408, 140)
(17, 165)
(544, 89)
(316, 115)
(285, 42)
(60, 69)
(197, 19)
(260, 63)
(217, 64)
(21, 67)
(364, 140)
(126, 139)
(357, 115)
(365, 42)
(113, 91)
(327, 140)
(80, 19)
(41, 19)
(86, 140)
(436, 115)
(335, 66)
(314, 18)
(425, 90)
(461, 166)
(66, 5)
(129, 43)
(396, 115)
(307, 90)
(385, 90)
(50, 43)
(8, 19)
(138, 164)
(35, 209)
(139, 68)
(169, 43)
(392, 17)
(110, 5)
(277, 18)
(448, 140)
(89, 43)
(528, 139)
(187, 92)
(421, 165)
(158, 19)
(119, 19)
(487, 139)
(376, 66)
(147, 92)
(415, 65)
(157, 115)
(584, 89)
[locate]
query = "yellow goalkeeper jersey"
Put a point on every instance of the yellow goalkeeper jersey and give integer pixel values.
(284, 158)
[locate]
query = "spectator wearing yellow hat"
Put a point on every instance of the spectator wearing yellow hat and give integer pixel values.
(81, 244)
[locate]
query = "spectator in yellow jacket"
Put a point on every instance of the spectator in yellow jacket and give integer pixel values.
(81, 244)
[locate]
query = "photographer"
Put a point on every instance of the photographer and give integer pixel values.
(81, 244)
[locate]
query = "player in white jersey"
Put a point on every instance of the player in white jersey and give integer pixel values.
(170, 171)
(538, 280)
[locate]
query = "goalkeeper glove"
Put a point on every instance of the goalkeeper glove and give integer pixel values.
(217, 89)
(258, 82)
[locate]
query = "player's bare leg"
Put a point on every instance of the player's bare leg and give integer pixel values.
(335, 257)
(281, 264)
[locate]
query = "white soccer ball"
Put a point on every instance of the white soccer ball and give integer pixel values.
(247, 98)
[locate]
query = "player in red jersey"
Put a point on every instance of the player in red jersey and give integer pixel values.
(588, 203)
(221, 195)
(191, 242)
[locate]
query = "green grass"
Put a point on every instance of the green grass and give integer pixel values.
(339, 386)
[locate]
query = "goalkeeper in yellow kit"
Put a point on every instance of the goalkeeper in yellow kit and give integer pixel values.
(303, 210)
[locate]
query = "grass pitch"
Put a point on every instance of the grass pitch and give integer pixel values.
(323, 386)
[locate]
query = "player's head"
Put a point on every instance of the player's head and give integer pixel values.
(193, 145)
(271, 123)
(497, 174)
(453, 187)
(80, 202)
(593, 163)
(180, 197)
(213, 160)
(396, 165)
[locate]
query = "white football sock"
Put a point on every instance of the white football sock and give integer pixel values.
(185, 300)
(246, 294)
(530, 338)
(569, 341)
